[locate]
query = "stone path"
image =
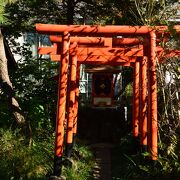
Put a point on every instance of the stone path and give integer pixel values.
(100, 127)
(102, 169)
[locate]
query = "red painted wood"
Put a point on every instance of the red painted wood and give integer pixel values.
(72, 93)
(143, 102)
(76, 100)
(112, 56)
(101, 30)
(98, 41)
(153, 98)
(62, 89)
(135, 123)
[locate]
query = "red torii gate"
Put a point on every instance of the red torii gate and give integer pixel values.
(105, 54)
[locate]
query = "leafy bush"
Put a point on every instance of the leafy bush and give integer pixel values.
(128, 163)
(82, 164)
(19, 161)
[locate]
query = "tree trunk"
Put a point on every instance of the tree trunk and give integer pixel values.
(70, 11)
(7, 87)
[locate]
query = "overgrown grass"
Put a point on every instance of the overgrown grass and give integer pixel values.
(127, 163)
(83, 162)
(19, 161)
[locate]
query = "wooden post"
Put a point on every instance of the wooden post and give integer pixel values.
(147, 54)
(153, 97)
(135, 122)
(71, 108)
(143, 104)
(76, 102)
(61, 105)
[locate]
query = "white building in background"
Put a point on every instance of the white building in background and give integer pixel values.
(20, 41)
(33, 40)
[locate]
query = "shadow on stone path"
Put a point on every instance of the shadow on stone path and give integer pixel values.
(102, 169)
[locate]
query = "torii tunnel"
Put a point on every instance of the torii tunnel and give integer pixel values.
(84, 44)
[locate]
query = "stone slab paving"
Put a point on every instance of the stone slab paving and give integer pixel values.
(102, 169)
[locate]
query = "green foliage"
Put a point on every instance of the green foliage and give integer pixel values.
(129, 163)
(83, 163)
(80, 171)
(19, 161)
(36, 91)
(142, 12)
(24, 14)
(37, 95)
(3, 15)
(2, 12)
(129, 90)
(82, 151)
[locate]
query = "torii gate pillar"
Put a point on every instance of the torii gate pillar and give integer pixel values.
(153, 98)
(61, 106)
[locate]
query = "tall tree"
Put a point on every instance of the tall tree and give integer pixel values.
(5, 81)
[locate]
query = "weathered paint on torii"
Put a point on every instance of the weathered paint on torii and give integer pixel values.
(115, 57)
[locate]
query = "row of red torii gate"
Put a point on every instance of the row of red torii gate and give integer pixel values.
(136, 46)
